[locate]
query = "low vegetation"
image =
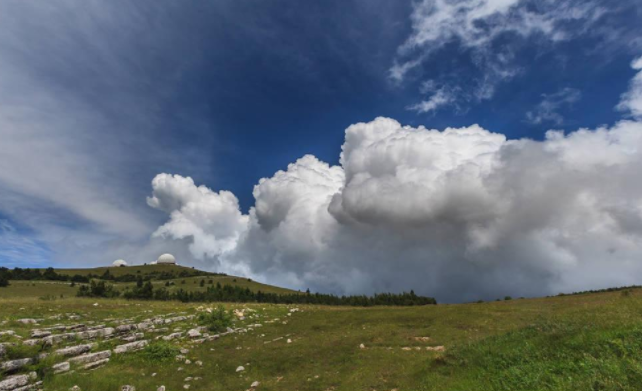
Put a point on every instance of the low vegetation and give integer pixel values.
(160, 351)
(217, 320)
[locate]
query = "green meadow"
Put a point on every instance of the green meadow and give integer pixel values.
(579, 342)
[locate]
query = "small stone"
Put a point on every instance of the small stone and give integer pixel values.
(199, 363)
(161, 388)
(289, 340)
(186, 386)
(255, 384)
(127, 388)
(362, 346)
(188, 379)
(240, 369)
(180, 369)
(75, 388)
(154, 374)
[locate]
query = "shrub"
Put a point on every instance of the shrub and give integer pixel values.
(160, 351)
(216, 321)
(99, 289)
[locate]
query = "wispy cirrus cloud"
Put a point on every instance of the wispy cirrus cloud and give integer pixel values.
(16, 247)
(81, 125)
(547, 111)
(490, 33)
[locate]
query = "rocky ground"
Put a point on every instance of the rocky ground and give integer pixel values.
(66, 343)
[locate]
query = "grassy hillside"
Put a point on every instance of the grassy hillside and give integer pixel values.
(186, 278)
(140, 269)
(581, 342)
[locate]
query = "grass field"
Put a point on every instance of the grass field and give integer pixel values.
(581, 342)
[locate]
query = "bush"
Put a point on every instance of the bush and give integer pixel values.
(4, 281)
(97, 289)
(216, 321)
(160, 351)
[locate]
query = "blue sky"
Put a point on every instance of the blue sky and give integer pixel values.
(97, 98)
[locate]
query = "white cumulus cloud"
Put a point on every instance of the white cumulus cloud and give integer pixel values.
(211, 220)
(459, 213)
(632, 99)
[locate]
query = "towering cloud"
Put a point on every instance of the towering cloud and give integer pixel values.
(460, 214)
(212, 221)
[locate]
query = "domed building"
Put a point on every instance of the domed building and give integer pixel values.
(119, 263)
(166, 259)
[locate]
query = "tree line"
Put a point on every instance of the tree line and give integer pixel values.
(35, 274)
(145, 290)
(50, 274)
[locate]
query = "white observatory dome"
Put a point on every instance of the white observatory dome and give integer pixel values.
(166, 259)
(119, 262)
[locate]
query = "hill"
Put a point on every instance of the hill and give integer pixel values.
(179, 277)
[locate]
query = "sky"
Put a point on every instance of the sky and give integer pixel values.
(466, 149)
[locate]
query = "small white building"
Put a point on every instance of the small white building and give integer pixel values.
(166, 259)
(119, 263)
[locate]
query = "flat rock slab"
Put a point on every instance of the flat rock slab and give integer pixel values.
(61, 367)
(30, 387)
(12, 365)
(133, 337)
(40, 333)
(13, 382)
(91, 357)
(96, 364)
(130, 347)
(75, 350)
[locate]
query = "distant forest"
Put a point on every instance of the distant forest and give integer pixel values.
(236, 294)
(95, 286)
(51, 275)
